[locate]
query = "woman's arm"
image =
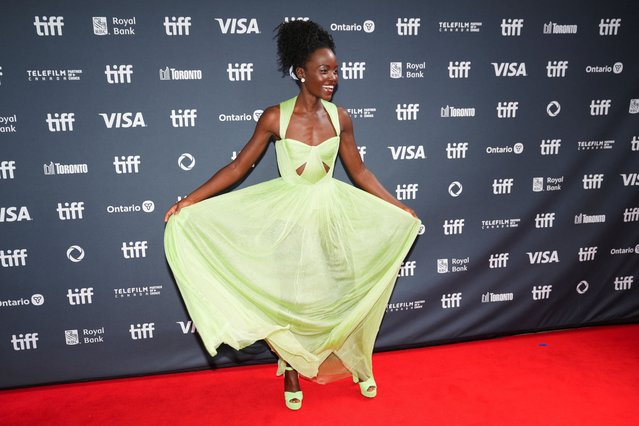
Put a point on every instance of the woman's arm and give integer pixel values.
(355, 167)
(228, 175)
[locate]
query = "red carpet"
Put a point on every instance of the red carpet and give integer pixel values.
(577, 377)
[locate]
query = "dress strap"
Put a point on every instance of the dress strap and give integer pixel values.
(331, 108)
(286, 110)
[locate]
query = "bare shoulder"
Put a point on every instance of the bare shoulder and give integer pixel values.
(270, 119)
(345, 121)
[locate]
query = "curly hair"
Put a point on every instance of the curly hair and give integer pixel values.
(297, 40)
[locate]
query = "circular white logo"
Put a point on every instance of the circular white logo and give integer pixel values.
(637, 249)
(37, 300)
(518, 148)
(148, 206)
(617, 68)
(257, 114)
(368, 26)
(455, 189)
(75, 254)
(186, 165)
(553, 108)
(422, 229)
(582, 287)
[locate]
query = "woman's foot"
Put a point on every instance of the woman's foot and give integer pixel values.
(292, 393)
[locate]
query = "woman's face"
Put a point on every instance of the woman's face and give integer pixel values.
(320, 72)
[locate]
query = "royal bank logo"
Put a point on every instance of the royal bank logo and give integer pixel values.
(600, 106)
(459, 27)
(183, 117)
(541, 292)
(544, 220)
(503, 186)
(80, 296)
(500, 223)
(507, 109)
(368, 112)
(555, 28)
(8, 123)
(609, 26)
(633, 107)
(59, 74)
(406, 191)
(75, 254)
(367, 26)
(511, 27)
(549, 146)
(123, 120)
(14, 214)
(407, 152)
(175, 74)
(498, 260)
(516, 148)
(540, 184)
(556, 69)
(187, 327)
(24, 342)
(64, 169)
(587, 254)
(127, 164)
(142, 291)
(496, 297)
(631, 214)
(456, 150)
(583, 218)
(553, 108)
(119, 26)
(60, 122)
(118, 74)
(455, 112)
(413, 69)
(407, 269)
(255, 116)
(509, 69)
(243, 26)
(616, 68)
(48, 26)
(453, 226)
(353, 70)
(451, 300)
(142, 331)
(458, 69)
(406, 112)
(405, 306)
(592, 180)
(89, 336)
(147, 206)
(240, 71)
(34, 300)
(177, 26)
(70, 210)
(408, 26)
(186, 162)
(445, 266)
(134, 249)
(623, 283)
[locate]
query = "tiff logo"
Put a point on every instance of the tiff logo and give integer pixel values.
(599, 106)
(556, 68)
(134, 250)
(631, 214)
(144, 331)
(407, 269)
(623, 283)
(407, 111)
(541, 292)
(12, 258)
(511, 27)
(550, 146)
(82, 296)
(593, 181)
(453, 226)
(634, 143)
(408, 26)
(183, 118)
(458, 69)
(407, 191)
(7, 168)
(507, 109)
(127, 164)
(70, 211)
(544, 220)
(503, 186)
(118, 74)
(499, 260)
(451, 300)
(587, 254)
(26, 341)
(177, 26)
(609, 26)
(60, 122)
(353, 70)
(240, 72)
(456, 150)
(49, 25)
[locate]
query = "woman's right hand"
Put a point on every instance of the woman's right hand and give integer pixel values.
(175, 208)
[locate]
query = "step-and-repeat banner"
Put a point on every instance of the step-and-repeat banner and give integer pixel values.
(512, 128)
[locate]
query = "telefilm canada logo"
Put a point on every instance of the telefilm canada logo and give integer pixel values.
(54, 74)
(405, 306)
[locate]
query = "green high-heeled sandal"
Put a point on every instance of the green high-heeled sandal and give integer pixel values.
(363, 386)
(290, 396)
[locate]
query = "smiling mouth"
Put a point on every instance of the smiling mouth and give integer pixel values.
(328, 88)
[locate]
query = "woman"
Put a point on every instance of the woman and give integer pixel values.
(303, 261)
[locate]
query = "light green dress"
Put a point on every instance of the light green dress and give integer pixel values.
(305, 262)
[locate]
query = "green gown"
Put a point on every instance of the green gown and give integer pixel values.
(305, 262)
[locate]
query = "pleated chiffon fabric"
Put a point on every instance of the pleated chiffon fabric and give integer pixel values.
(304, 261)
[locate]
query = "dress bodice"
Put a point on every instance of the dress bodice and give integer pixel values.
(299, 162)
